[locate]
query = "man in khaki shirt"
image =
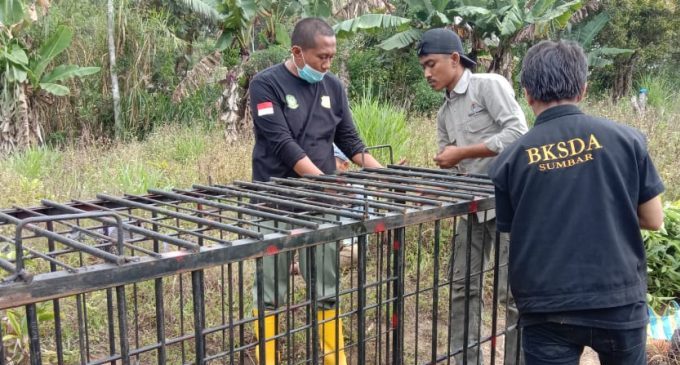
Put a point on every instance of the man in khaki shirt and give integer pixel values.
(479, 118)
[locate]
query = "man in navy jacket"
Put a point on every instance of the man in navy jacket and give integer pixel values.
(573, 193)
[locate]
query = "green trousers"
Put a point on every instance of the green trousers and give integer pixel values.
(276, 273)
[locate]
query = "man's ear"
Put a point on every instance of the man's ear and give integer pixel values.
(296, 51)
(455, 58)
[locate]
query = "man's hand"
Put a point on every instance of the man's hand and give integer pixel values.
(452, 155)
(364, 159)
(306, 167)
(449, 157)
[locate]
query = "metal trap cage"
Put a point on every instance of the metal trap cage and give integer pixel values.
(176, 277)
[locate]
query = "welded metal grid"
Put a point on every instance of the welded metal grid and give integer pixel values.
(175, 243)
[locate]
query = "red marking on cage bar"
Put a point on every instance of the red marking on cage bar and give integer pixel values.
(271, 250)
(178, 255)
(493, 342)
(380, 227)
(473, 206)
(395, 320)
(396, 245)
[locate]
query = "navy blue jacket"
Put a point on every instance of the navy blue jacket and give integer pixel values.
(568, 192)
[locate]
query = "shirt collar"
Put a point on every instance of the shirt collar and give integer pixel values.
(461, 87)
(557, 112)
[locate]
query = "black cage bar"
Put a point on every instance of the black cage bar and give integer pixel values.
(169, 277)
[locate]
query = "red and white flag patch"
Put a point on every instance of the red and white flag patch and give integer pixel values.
(265, 108)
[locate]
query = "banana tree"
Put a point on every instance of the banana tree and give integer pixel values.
(26, 89)
(490, 26)
(501, 25)
(347, 9)
(598, 56)
(241, 22)
(238, 25)
(424, 14)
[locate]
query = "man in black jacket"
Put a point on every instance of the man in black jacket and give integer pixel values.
(573, 193)
(299, 110)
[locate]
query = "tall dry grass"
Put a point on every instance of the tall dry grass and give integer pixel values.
(173, 156)
(179, 156)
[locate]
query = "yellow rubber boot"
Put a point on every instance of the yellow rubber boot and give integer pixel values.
(269, 346)
(330, 344)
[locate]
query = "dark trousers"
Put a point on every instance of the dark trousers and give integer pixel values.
(554, 343)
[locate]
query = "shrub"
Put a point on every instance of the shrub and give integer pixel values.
(661, 90)
(395, 76)
(663, 259)
(363, 66)
(425, 100)
(261, 59)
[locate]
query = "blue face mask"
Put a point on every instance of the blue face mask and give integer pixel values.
(309, 74)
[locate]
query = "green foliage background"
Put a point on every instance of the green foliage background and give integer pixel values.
(663, 258)
(650, 27)
(394, 76)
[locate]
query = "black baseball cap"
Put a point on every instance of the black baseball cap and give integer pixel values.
(443, 41)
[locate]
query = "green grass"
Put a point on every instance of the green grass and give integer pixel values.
(662, 91)
(380, 123)
(179, 156)
(173, 156)
(34, 163)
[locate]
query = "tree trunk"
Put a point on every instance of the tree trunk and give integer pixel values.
(233, 104)
(502, 62)
(19, 119)
(117, 117)
(354, 8)
(624, 77)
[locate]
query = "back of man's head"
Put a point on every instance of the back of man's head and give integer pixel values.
(554, 71)
(306, 30)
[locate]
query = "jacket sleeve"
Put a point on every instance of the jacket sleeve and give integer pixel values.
(346, 135)
(270, 124)
(499, 100)
(443, 139)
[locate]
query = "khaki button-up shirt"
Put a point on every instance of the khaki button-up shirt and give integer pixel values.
(480, 109)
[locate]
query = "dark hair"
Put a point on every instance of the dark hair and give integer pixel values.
(553, 71)
(307, 29)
